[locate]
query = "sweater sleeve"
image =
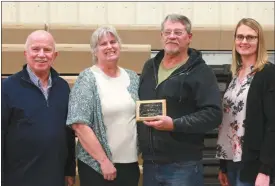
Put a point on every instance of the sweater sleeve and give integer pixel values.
(80, 108)
(267, 156)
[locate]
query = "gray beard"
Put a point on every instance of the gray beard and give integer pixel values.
(172, 52)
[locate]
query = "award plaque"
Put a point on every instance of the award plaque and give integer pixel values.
(145, 110)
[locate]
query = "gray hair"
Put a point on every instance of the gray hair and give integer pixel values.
(98, 34)
(178, 18)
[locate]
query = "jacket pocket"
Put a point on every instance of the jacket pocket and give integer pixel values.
(170, 88)
(19, 117)
(175, 91)
(164, 143)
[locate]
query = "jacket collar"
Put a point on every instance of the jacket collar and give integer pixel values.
(25, 74)
(195, 58)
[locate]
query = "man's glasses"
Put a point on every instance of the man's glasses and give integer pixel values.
(249, 38)
(176, 32)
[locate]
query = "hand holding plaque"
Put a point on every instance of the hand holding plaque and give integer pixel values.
(146, 110)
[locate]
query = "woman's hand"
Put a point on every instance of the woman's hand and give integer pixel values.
(91, 144)
(108, 169)
(262, 180)
(223, 179)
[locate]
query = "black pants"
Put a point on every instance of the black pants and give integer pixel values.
(127, 175)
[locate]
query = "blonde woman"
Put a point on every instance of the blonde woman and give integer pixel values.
(246, 142)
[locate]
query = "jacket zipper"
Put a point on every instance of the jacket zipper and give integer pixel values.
(171, 76)
(156, 80)
(150, 128)
(47, 102)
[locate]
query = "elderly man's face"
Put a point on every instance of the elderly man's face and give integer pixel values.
(40, 52)
(175, 37)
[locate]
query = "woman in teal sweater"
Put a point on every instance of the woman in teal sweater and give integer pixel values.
(102, 113)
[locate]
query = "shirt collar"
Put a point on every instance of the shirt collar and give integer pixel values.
(36, 80)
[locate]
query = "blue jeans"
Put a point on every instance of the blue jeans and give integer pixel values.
(233, 174)
(188, 173)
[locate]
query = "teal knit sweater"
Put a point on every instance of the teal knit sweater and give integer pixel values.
(85, 107)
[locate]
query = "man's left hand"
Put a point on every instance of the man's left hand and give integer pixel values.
(262, 180)
(70, 180)
(164, 123)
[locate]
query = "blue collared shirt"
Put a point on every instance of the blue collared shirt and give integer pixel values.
(38, 83)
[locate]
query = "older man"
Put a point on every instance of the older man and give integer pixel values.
(37, 147)
(172, 145)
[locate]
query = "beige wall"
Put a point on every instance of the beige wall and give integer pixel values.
(214, 14)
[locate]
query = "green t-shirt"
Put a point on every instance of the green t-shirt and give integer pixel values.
(164, 73)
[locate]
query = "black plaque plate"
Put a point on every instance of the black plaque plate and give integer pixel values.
(145, 110)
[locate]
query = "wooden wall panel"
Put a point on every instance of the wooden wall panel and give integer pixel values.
(64, 12)
(92, 13)
(121, 13)
(231, 13)
(204, 38)
(262, 12)
(9, 12)
(184, 8)
(206, 13)
(72, 59)
(72, 34)
(137, 13)
(18, 33)
(149, 13)
(33, 12)
(129, 34)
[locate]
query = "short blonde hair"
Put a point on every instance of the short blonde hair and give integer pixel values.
(262, 57)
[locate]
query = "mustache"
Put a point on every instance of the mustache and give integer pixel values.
(40, 60)
(171, 42)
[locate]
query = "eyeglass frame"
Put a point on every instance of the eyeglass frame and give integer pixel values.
(177, 32)
(248, 38)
